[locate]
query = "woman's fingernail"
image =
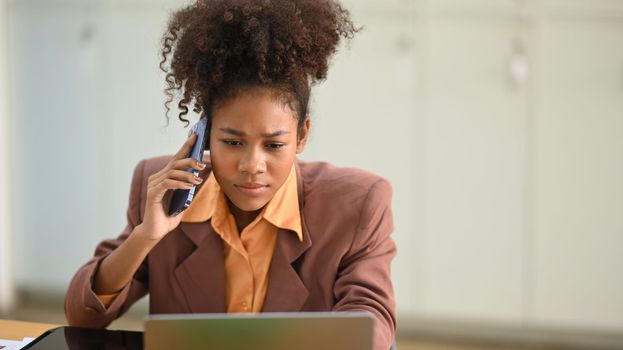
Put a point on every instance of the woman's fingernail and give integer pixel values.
(201, 165)
(198, 179)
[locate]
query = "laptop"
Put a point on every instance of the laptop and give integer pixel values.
(274, 331)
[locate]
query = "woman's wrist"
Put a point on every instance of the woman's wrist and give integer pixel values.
(142, 235)
(116, 269)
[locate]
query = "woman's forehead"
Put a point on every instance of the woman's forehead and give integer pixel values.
(254, 114)
(278, 96)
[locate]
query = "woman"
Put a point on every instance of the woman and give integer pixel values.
(265, 231)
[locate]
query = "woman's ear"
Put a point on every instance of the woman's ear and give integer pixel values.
(303, 133)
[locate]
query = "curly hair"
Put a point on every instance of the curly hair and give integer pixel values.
(214, 49)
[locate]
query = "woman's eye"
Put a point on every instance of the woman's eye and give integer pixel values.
(274, 146)
(232, 143)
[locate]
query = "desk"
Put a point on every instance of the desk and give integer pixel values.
(17, 330)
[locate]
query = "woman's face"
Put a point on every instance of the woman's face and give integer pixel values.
(253, 144)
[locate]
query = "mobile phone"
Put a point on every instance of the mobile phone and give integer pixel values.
(181, 199)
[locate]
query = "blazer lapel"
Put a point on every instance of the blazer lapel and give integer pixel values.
(286, 291)
(201, 275)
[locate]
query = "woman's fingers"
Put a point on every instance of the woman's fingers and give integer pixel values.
(182, 175)
(183, 164)
(176, 167)
(175, 175)
(157, 190)
(170, 184)
(171, 179)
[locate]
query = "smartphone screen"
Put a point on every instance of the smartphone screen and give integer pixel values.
(182, 198)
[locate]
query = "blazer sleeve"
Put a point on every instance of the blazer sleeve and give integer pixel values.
(82, 306)
(364, 278)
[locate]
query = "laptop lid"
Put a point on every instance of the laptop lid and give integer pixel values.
(264, 331)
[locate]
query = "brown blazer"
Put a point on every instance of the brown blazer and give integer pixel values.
(343, 263)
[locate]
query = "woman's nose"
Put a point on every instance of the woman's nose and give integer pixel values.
(252, 162)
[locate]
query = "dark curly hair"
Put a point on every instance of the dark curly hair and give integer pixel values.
(214, 49)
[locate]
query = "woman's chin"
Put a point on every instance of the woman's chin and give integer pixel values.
(249, 205)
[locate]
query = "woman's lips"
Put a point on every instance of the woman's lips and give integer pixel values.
(252, 189)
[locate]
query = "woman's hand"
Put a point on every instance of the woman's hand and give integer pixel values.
(157, 222)
(117, 269)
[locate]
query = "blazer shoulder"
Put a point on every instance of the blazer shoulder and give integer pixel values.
(355, 193)
(323, 176)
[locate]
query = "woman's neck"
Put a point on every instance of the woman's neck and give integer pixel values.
(243, 218)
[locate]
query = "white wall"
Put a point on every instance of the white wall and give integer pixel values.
(6, 278)
(53, 70)
(88, 95)
(475, 165)
(578, 167)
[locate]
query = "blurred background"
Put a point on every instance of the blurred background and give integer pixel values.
(498, 122)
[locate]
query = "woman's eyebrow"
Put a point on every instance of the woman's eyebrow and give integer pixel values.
(242, 133)
(276, 133)
(232, 131)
